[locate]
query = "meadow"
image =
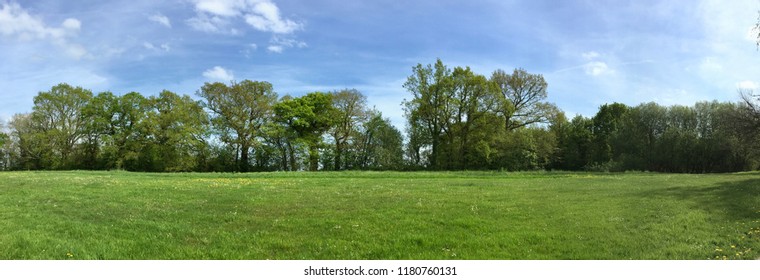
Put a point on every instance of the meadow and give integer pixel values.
(379, 215)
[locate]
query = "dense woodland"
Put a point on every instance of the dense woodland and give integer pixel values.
(457, 120)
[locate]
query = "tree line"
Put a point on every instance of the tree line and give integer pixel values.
(456, 120)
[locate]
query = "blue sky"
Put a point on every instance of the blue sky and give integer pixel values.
(590, 52)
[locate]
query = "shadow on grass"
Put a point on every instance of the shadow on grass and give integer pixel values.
(734, 200)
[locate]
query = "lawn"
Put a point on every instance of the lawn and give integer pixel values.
(379, 215)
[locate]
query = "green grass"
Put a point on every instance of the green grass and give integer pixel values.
(378, 215)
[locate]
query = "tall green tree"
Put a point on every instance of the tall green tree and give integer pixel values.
(31, 148)
(175, 130)
(606, 122)
(98, 149)
(381, 144)
(351, 110)
(4, 147)
(239, 112)
(430, 107)
(130, 112)
(473, 99)
(58, 114)
(309, 117)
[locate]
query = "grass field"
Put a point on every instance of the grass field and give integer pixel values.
(378, 215)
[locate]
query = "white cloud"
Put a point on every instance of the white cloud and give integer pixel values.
(17, 22)
(72, 24)
(590, 55)
(226, 8)
(161, 19)
(211, 24)
(278, 44)
(597, 68)
(263, 15)
(275, 49)
(253, 46)
(747, 85)
(152, 47)
(219, 73)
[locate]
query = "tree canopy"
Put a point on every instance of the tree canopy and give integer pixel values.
(456, 120)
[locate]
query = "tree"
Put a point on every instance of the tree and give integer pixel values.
(129, 114)
(576, 145)
(606, 122)
(429, 108)
(749, 117)
(240, 110)
(98, 149)
(175, 132)
(351, 110)
(381, 144)
(58, 114)
(308, 117)
(523, 96)
(31, 149)
(473, 100)
(4, 147)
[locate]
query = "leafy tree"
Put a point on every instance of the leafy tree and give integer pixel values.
(381, 144)
(130, 112)
(606, 122)
(577, 143)
(473, 100)
(308, 117)
(4, 147)
(351, 110)
(58, 114)
(523, 96)
(430, 106)
(98, 150)
(175, 130)
(240, 110)
(32, 150)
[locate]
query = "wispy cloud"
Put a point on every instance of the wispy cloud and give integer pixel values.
(597, 68)
(275, 48)
(219, 73)
(590, 55)
(161, 19)
(278, 44)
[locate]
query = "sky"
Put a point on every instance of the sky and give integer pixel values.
(589, 52)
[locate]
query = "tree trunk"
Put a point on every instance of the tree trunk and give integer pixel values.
(313, 158)
(243, 166)
(292, 156)
(338, 153)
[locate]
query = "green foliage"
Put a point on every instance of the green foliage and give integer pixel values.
(522, 98)
(240, 110)
(350, 110)
(379, 215)
(454, 115)
(457, 120)
(380, 145)
(174, 132)
(59, 122)
(309, 117)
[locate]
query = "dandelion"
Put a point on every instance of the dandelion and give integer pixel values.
(69, 254)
